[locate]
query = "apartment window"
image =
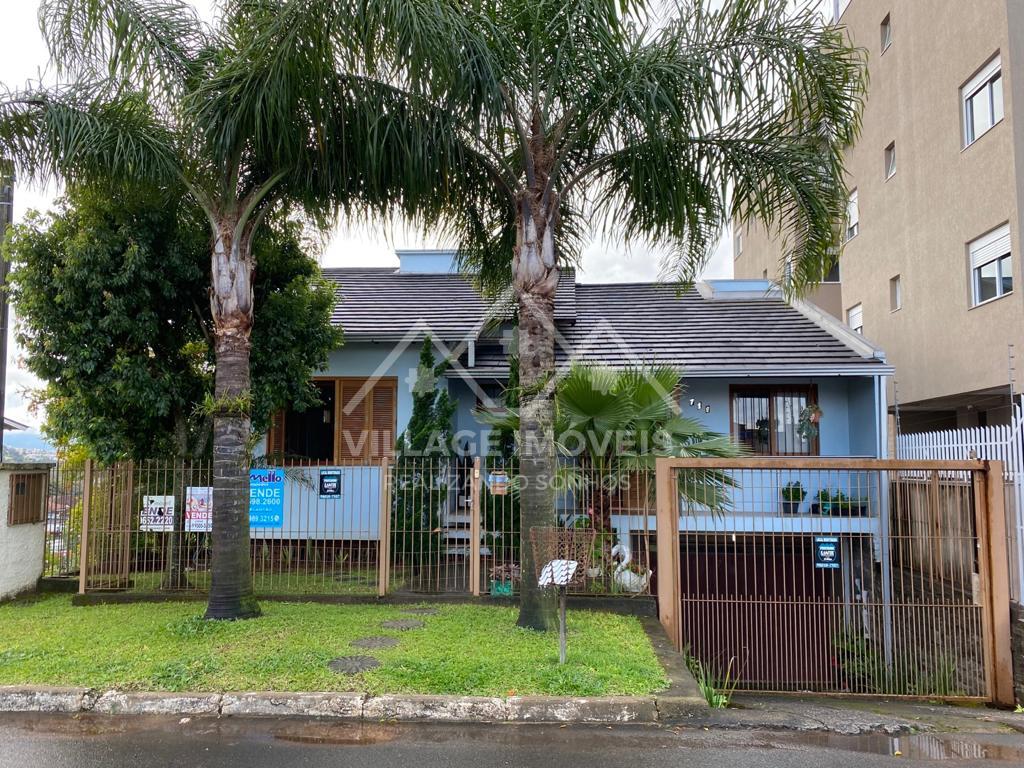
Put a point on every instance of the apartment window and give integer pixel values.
(886, 33)
(890, 161)
(855, 318)
(852, 216)
(895, 293)
(354, 422)
(739, 243)
(838, 9)
(991, 266)
(766, 419)
(982, 101)
(833, 275)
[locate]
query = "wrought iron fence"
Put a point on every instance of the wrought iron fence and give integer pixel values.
(421, 525)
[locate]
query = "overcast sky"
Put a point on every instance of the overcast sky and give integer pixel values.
(23, 57)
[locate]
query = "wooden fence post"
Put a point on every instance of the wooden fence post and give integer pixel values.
(83, 544)
(474, 531)
(384, 531)
(669, 579)
(999, 646)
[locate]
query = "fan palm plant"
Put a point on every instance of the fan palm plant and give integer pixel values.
(611, 426)
(150, 93)
(658, 127)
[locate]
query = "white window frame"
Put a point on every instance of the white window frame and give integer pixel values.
(890, 161)
(855, 318)
(852, 216)
(738, 243)
(896, 293)
(982, 84)
(886, 32)
(992, 247)
(838, 9)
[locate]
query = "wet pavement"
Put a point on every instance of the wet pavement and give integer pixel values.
(94, 741)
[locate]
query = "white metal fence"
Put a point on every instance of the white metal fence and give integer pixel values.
(1003, 443)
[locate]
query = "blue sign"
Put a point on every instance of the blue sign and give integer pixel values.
(826, 553)
(266, 498)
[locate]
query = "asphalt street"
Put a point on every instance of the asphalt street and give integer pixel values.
(89, 741)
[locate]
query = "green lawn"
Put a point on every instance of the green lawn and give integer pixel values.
(463, 649)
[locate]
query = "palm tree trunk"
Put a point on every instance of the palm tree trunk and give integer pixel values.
(535, 278)
(231, 299)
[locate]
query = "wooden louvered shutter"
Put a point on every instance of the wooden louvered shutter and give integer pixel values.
(275, 436)
(352, 433)
(382, 420)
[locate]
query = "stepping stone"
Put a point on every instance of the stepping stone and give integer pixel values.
(375, 642)
(403, 624)
(353, 665)
(420, 611)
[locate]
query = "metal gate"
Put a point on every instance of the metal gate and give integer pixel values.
(842, 576)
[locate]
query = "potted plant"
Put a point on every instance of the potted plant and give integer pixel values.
(503, 578)
(823, 505)
(793, 494)
(810, 417)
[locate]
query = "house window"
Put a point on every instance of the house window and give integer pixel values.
(890, 161)
(354, 422)
(991, 266)
(886, 33)
(982, 100)
(852, 216)
(895, 293)
(766, 419)
(28, 499)
(491, 396)
(855, 318)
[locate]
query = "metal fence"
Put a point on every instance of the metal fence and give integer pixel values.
(839, 576)
(419, 525)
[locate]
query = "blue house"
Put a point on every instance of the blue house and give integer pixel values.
(752, 364)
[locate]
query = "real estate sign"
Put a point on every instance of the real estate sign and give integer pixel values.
(826, 553)
(157, 514)
(266, 498)
(199, 509)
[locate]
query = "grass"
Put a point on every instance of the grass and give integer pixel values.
(464, 649)
(353, 582)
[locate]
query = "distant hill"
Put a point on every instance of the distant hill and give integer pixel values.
(27, 446)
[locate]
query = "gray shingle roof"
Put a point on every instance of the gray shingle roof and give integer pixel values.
(612, 324)
(382, 304)
(635, 323)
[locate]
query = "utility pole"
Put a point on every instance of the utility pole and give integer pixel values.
(6, 219)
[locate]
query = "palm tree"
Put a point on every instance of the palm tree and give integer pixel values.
(610, 426)
(606, 114)
(151, 93)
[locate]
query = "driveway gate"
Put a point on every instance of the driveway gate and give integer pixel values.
(844, 576)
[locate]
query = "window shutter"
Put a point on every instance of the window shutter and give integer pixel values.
(853, 210)
(855, 317)
(382, 420)
(275, 435)
(990, 247)
(352, 427)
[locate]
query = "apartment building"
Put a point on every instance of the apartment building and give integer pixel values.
(931, 270)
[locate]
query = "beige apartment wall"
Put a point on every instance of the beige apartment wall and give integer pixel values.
(918, 223)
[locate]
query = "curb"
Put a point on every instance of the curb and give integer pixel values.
(343, 706)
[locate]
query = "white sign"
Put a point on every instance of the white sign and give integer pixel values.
(157, 515)
(199, 509)
(557, 573)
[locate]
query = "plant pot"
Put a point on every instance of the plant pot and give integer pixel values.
(501, 588)
(791, 507)
(594, 573)
(819, 508)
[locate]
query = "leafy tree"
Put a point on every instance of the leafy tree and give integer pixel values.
(151, 93)
(659, 125)
(110, 294)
